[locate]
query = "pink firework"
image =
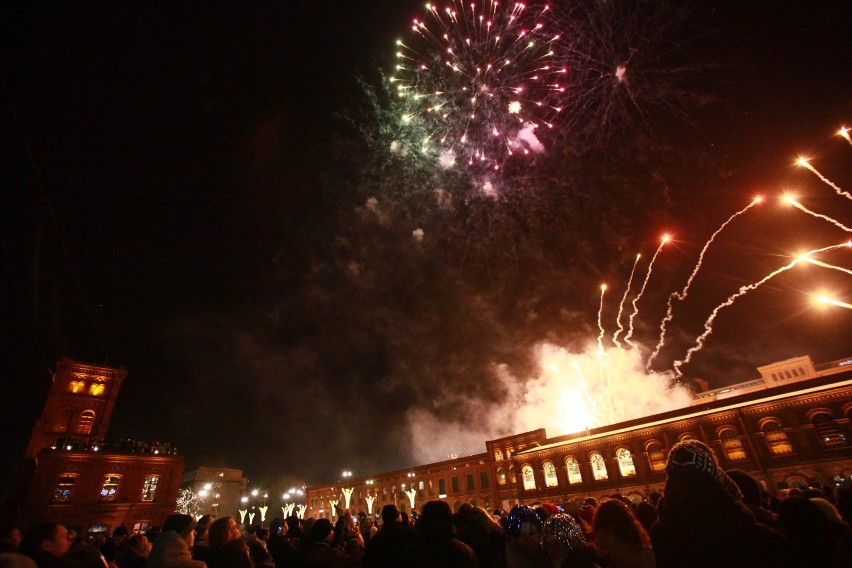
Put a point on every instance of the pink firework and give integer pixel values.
(483, 80)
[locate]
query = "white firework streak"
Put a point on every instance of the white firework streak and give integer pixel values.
(708, 325)
(621, 305)
(844, 133)
(600, 323)
(826, 265)
(805, 164)
(680, 296)
(642, 291)
(801, 207)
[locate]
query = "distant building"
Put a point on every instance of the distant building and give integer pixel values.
(217, 489)
(70, 475)
(789, 428)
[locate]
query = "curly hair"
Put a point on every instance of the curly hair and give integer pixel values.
(617, 519)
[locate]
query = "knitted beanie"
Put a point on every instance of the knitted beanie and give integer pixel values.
(693, 460)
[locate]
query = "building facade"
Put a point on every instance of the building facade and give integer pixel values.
(218, 490)
(70, 475)
(785, 432)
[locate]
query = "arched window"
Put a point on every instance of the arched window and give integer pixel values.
(550, 479)
(149, 488)
(828, 430)
(509, 453)
(84, 424)
(625, 462)
(513, 479)
(529, 477)
(110, 487)
(776, 438)
(656, 456)
(498, 455)
(501, 477)
(96, 389)
(731, 444)
(573, 468)
(598, 467)
(64, 487)
(77, 386)
(685, 437)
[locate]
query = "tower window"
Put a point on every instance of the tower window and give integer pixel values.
(149, 489)
(96, 389)
(84, 424)
(64, 488)
(110, 487)
(76, 386)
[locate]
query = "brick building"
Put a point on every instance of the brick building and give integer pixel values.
(789, 428)
(70, 475)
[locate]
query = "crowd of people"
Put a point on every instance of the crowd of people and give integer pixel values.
(705, 517)
(125, 446)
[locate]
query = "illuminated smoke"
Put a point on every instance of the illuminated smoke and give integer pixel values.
(807, 165)
(743, 290)
(680, 296)
(621, 305)
(627, 337)
(801, 207)
(417, 235)
(566, 397)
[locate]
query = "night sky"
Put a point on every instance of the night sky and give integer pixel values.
(188, 193)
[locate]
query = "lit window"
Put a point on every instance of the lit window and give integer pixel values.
(776, 438)
(731, 444)
(599, 467)
(501, 477)
(76, 386)
(828, 430)
(149, 489)
(84, 424)
(550, 479)
(656, 457)
(141, 527)
(110, 487)
(96, 389)
(529, 477)
(625, 463)
(513, 479)
(498, 455)
(64, 488)
(573, 467)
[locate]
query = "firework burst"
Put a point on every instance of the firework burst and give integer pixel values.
(483, 80)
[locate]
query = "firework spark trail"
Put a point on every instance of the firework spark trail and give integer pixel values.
(708, 325)
(600, 323)
(844, 133)
(834, 302)
(633, 315)
(826, 265)
(806, 164)
(680, 296)
(621, 305)
(801, 207)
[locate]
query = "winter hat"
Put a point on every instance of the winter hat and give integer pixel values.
(320, 529)
(564, 531)
(692, 461)
(181, 524)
